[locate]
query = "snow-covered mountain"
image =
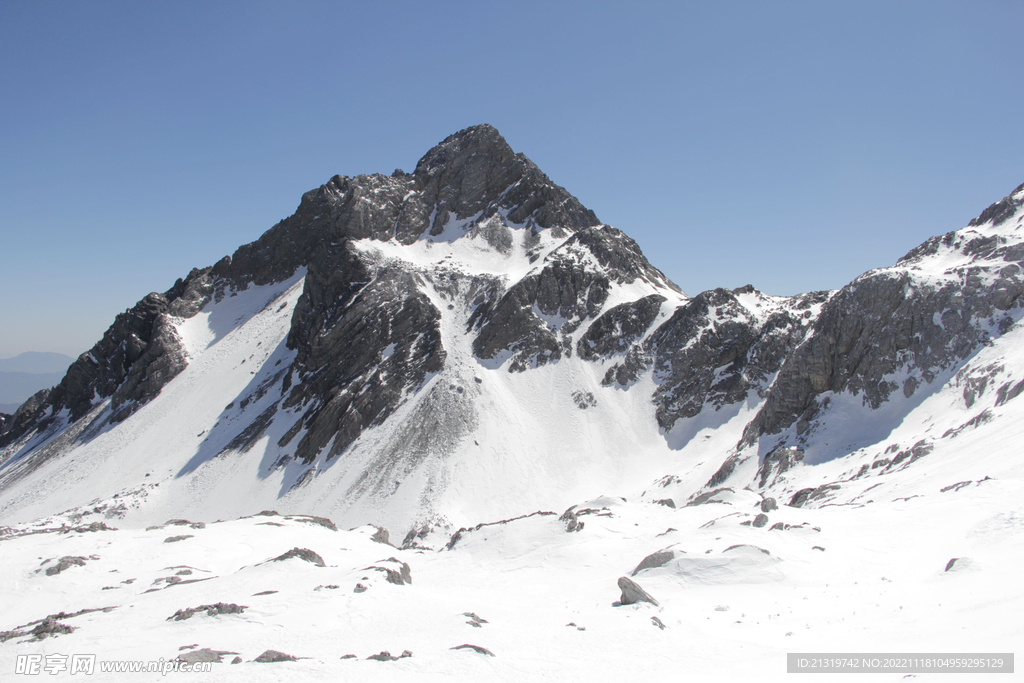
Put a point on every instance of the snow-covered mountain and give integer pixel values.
(462, 353)
(468, 341)
(455, 344)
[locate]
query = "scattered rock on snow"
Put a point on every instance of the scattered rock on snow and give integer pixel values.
(958, 563)
(800, 497)
(707, 496)
(95, 526)
(571, 519)
(474, 620)
(760, 520)
(768, 504)
(474, 648)
(385, 656)
(66, 562)
(633, 593)
(313, 519)
(657, 622)
(746, 545)
(381, 536)
(175, 539)
(50, 627)
(204, 655)
(303, 554)
(400, 576)
(211, 610)
(658, 559)
(270, 656)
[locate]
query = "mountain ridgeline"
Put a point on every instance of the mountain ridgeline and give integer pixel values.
(468, 339)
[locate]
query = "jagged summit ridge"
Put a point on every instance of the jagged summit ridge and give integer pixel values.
(473, 174)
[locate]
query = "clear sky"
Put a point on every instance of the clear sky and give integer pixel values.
(790, 145)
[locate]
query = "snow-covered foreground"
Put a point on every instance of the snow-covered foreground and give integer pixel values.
(733, 598)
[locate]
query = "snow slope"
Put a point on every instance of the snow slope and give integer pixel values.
(841, 578)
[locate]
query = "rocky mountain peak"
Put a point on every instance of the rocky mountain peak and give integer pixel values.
(452, 154)
(475, 172)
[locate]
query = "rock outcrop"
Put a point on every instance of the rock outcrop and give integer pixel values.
(633, 593)
(912, 321)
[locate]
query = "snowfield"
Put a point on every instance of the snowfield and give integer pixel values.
(851, 576)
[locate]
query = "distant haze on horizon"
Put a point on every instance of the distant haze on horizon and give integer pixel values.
(788, 145)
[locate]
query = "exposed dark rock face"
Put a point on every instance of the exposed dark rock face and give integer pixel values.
(342, 326)
(714, 351)
(571, 291)
(475, 171)
(351, 309)
(136, 357)
(1002, 210)
(724, 472)
(618, 327)
(775, 464)
(905, 320)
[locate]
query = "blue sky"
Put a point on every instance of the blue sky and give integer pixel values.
(790, 145)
